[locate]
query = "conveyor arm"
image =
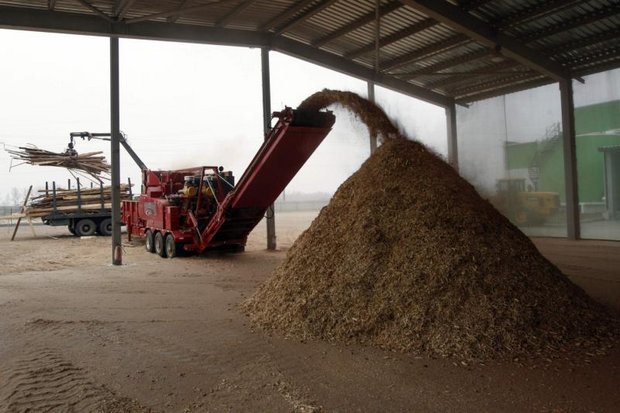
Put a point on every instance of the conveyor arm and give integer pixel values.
(286, 149)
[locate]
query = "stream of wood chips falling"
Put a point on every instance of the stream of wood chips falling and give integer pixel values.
(407, 256)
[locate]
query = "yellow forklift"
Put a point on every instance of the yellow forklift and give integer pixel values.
(524, 206)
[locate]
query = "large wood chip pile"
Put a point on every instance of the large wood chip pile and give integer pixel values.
(93, 163)
(408, 257)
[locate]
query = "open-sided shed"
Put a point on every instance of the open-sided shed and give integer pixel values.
(444, 52)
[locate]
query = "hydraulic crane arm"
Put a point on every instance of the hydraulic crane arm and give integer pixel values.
(107, 137)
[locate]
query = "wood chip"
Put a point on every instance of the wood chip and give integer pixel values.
(407, 256)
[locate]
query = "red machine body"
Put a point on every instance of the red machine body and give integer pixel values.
(198, 208)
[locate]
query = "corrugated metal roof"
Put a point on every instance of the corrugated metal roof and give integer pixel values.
(435, 52)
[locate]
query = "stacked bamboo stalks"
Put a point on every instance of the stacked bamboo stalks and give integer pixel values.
(68, 201)
(92, 163)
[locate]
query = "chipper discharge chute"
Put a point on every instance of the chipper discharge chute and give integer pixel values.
(199, 208)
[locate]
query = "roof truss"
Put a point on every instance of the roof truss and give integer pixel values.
(447, 49)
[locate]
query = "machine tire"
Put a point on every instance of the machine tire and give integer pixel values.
(149, 243)
(160, 248)
(171, 246)
(85, 227)
(105, 227)
(521, 217)
(71, 229)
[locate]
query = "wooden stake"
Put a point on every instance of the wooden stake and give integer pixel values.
(19, 220)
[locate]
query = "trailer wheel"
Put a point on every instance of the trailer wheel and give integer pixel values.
(171, 246)
(160, 248)
(85, 227)
(149, 244)
(71, 229)
(105, 227)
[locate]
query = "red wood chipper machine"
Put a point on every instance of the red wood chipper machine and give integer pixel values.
(198, 208)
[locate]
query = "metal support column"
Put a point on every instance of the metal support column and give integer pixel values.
(271, 221)
(453, 150)
(570, 159)
(371, 84)
(117, 258)
(371, 97)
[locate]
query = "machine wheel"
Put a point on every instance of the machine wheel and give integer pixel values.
(521, 217)
(85, 227)
(171, 246)
(105, 227)
(149, 244)
(160, 248)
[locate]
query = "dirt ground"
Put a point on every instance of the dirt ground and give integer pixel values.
(78, 334)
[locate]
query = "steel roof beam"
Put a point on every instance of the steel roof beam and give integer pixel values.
(175, 17)
(63, 22)
(343, 65)
(477, 73)
(573, 45)
(177, 12)
(611, 64)
(394, 37)
(356, 24)
(286, 14)
(122, 7)
(234, 13)
(598, 55)
(608, 35)
(95, 10)
(433, 48)
(317, 8)
(535, 12)
(492, 83)
(530, 84)
(44, 20)
(573, 23)
(484, 33)
(491, 70)
(505, 23)
(445, 64)
(411, 30)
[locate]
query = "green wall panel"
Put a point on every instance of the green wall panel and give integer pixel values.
(597, 118)
(590, 121)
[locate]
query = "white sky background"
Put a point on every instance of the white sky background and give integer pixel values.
(181, 105)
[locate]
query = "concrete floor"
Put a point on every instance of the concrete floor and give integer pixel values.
(590, 229)
(167, 336)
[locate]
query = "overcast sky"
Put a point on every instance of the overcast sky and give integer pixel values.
(181, 105)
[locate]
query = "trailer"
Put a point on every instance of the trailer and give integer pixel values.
(199, 208)
(84, 211)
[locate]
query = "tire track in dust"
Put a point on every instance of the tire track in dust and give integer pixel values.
(43, 381)
(259, 384)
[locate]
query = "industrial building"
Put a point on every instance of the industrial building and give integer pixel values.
(531, 94)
